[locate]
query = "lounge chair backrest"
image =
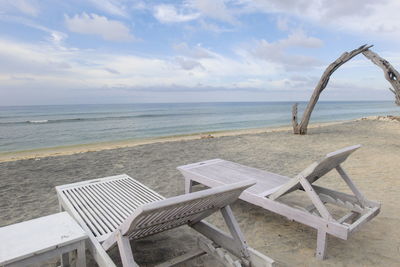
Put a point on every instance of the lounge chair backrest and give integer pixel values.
(173, 212)
(316, 170)
(329, 162)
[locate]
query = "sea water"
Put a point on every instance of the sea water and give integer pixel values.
(32, 127)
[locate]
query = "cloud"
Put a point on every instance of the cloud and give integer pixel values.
(282, 23)
(30, 8)
(93, 24)
(112, 71)
(365, 17)
(64, 72)
(193, 52)
(168, 14)
(56, 37)
(28, 60)
(110, 6)
(215, 9)
(300, 39)
(212, 27)
(70, 75)
(188, 64)
(277, 51)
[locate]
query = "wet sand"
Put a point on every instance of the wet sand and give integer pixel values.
(27, 188)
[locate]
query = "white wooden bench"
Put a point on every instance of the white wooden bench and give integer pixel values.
(38, 240)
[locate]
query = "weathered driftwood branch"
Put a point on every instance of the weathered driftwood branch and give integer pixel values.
(301, 128)
(391, 74)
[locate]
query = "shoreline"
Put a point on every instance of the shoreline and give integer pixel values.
(99, 146)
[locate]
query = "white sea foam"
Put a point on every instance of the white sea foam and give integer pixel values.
(39, 121)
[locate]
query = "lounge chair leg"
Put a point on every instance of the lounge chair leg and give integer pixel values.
(321, 245)
(125, 251)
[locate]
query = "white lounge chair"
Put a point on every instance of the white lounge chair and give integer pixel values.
(270, 187)
(115, 209)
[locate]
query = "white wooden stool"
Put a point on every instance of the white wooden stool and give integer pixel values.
(38, 240)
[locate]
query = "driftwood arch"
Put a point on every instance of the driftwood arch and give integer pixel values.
(391, 75)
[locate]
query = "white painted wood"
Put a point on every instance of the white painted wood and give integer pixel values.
(218, 253)
(363, 219)
(230, 172)
(145, 213)
(217, 236)
(39, 259)
(200, 202)
(125, 250)
(91, 211)
(235, 231)
(321, 245)
(351, 185)
(188, 186)
(217, 172)
(46, 236)
(316, 170)
(348, 217)
(65, 260)
(81, 255)
(197, 252)
(315, 199)
(258, 259)
(99, 254)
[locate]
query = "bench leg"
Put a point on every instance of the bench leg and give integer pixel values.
(81, 255)
(65, 260)
(321, 244)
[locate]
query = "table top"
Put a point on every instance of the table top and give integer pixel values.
(22, 240)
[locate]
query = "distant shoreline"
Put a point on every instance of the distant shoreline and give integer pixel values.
(98, 146)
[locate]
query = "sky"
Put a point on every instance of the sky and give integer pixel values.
(133, 51)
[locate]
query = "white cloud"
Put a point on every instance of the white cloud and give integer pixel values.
(168, 14)
(216, 9)
(194, 52)
(55, 36)
(212, 27)
(110, 6)
(282, 23)
(139, 5)
(27, 7)
(188, 64)
(365, 17)
(111, 30)
(277, 51)
(39, 68)
(300, 39)
(62, 73)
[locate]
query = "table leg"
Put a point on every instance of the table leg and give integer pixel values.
(81, 255)
(188, 185)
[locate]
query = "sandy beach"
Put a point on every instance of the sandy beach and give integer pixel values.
(27, 182)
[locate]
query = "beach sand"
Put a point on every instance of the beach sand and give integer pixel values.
(27, 188)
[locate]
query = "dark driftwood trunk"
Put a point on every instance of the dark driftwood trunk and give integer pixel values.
(301, 128)
(391, 74)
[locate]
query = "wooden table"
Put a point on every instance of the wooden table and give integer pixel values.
(38, 240)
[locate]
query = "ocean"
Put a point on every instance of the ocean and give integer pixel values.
(33, 127)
